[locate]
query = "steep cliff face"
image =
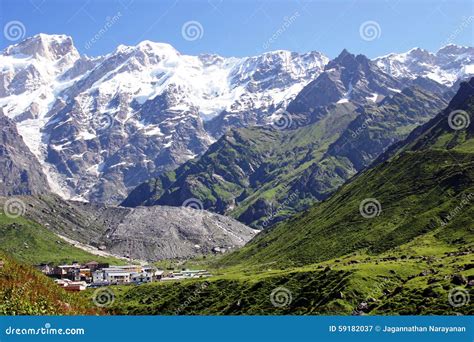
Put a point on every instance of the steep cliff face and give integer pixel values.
(101, 126)
(20, 171)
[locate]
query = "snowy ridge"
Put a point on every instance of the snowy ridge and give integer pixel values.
(446, 66)
(101, 126)
(149, 93)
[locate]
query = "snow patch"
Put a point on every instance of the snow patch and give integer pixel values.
(373, 98)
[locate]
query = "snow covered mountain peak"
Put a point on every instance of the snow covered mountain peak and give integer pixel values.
(149, 48)
(50, 47)
(454, 49)
(446, 66)
(101, 126)
(31, 73)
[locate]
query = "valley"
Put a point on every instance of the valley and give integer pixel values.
(357, 284)
(408, 251)
(279, 184)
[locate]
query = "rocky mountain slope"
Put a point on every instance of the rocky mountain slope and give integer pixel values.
(29, 242)
(21, 173)
(396, 240)
(100, 126)
(146, 233)
(262, 175)
(346, 79)
(425, 190)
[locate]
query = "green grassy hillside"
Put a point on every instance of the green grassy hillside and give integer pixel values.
(261, 176)
(31, 243)
(390, 283)
(410, 207)
(408, 251)
(25, 291)
(426, 187)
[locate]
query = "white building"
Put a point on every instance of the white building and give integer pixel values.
(126, 274)
(98, 276)
(117, 277)
(111, 275)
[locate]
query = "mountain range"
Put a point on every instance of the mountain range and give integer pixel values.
(352, 178)
(410, 192)
(100, 126)
(352, 112)
(396, 239)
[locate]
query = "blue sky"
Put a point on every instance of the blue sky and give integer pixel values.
(248, 27)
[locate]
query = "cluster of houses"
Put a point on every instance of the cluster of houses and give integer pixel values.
(77, 277)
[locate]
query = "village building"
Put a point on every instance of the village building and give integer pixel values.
(159, 275)
(71, 272)
(195, 273)
(71, 286)
(45, 268)
(117, 277)
(76, 277)
(85, 274)
(98, 277)
(186, 274)
(112, 275)
(94, 265)
(129, 268)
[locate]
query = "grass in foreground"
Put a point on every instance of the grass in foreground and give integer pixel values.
(391, 283)
(25, 291)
